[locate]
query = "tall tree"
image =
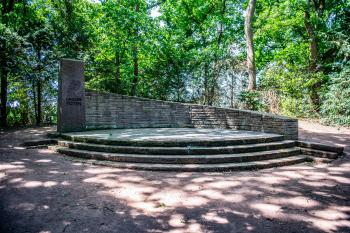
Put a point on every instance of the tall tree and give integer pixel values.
(176, 50)
(135, 55)
(312, 38)
(248, 29)
(42, 45)
(7, 7)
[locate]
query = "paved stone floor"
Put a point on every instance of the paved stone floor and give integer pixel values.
(173, 134)
(41, 191)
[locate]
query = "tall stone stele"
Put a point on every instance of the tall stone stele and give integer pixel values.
(71, 96)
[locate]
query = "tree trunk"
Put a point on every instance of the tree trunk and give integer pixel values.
(39, 87)
(314, 95)
(212, 91)
(178, 89)
(221, 28)
(135, 59)
(312, 39)
(34, 100)
(248, 29)
(3, 107)
(38, 116)
(7, 7)
(25, 109)
(206, 83)
(136, 71)
(231, 91)
(117, 64)
(117, 72)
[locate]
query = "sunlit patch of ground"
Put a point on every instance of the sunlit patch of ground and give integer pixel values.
(42, 191)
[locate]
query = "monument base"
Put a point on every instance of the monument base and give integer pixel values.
(181, 149)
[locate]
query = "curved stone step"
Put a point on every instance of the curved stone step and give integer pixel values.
(202, 167)
(39, 142)
(175, 143)
(178, 150)
(320, 153)
(321, 147)
(182, 159)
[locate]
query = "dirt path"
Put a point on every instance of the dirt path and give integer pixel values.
(41, 191)
(316, 132)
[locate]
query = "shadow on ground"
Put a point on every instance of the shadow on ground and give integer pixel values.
(41, 191)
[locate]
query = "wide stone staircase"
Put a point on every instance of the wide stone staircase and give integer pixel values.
(226, 154)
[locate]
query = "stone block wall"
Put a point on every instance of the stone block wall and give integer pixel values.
(106, 110)
(214, 117)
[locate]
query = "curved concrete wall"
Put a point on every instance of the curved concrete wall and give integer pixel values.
(106, 110)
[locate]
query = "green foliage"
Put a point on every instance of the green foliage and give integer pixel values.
(283, 51)
(297, 107)
(251, 100)
(72, 25)
(336, 106)
(295, 88)
(193, 51)
(12, 46)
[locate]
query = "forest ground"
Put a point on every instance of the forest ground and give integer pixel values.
(42, 191)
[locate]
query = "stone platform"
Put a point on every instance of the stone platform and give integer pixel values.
(181, 149)
(172, 136)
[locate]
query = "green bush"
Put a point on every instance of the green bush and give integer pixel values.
(298, 90)
(251, 100)
(336, 106)
(298, 107)
(291, 107)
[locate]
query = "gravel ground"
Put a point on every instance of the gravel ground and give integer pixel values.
(42, 191)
